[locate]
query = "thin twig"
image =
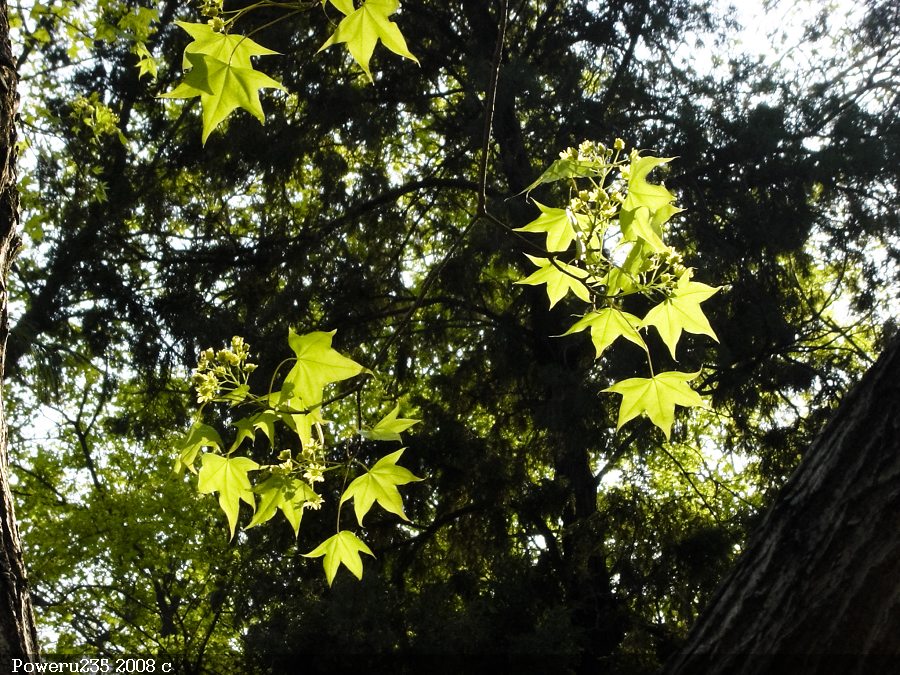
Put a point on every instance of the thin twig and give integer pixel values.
(490, 99)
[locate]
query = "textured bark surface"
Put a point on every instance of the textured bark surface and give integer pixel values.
(17, 632)
(817, 589)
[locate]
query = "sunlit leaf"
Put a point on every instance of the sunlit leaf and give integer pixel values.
(235, 50)
(318, 364)
(560, 277)
(342, 548)
(284, 493)
(345, 6)
(301, 424)
(681, 311)
(222, 88)
(245, 429)
(390, 427)
(607, 325)
(228, 477)
(639, 224)
(557, 224)
(640, 191)
(657, 396)
(566, 167)
(362, 28)
(379, 484)
(265, 420)
(198, 437)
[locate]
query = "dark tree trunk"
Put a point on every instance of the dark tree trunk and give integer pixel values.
(18, 638)
(817, 589)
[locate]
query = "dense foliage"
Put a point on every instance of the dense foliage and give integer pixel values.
(538, 529)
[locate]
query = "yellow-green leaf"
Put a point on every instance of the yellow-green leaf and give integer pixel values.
(362, 28)
(557, 224)
(228, 477)
(638, 224)
(199, 436)
(284, 493)
(222, 87)
(146, 64)
(607, 325)
(560, 278)
(265, 420)
(232, 49)
(245, 429)
(390, 427)
(342, 548)
(301, 424)
(663, 214)
(657, 396)
(564, 168)
(318, 364)
(379, 484)
(642, 193)
(681, 311)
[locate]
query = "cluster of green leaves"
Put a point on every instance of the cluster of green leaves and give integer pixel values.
(80, 29)
(606, 246)
(292, 424)
(218, 62)
(220, 72)
(97, 117)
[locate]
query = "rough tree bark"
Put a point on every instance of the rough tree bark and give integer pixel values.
(18, 638)
(817, 589)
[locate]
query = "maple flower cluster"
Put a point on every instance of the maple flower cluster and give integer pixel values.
(313, 457)
(221, 372)
(213, 9)
(312, 464)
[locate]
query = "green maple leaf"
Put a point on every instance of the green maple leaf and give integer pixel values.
(681, 311)
(221, 74)
(236, 395)
(228, 477)
(284, 493)
(621, 280)
(663, 214)
(560, 278)
(245, 429)
(317, 365)
(379, 484)
(344, 547)
(146, 64)
(642, 193)
(361, 29)
(557, 223)
(222, 88)
(265, 420)
(657, 396)
(639, 224)
(301, 424)
(198, 437)
(563, 168)
(233, 49)
(607, 325)
(390, 427)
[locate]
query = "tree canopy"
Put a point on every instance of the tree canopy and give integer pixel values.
(358, 208)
